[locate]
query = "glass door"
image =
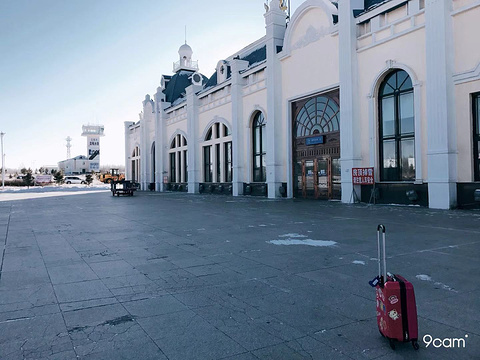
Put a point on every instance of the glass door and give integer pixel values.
(310, 178)
(323, 183)
(318, 178)
(336, 179)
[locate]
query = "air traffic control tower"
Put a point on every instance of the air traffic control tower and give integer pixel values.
(93, 134)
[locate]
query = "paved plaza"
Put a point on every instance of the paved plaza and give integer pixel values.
(178, 276)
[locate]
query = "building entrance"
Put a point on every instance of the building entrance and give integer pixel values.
(318, 179)
(316, 153)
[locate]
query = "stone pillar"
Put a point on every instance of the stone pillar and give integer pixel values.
(194, 152)
(160, 105)
(350, 150)
(275, 21)
(144, 144)
(238, 124)
(441, 129)
(128, 150)
(141, 177)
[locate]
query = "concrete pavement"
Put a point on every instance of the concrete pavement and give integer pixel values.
(178, 276)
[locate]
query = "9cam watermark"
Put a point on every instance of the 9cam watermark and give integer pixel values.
(448, 343)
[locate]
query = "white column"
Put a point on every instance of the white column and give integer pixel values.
(275, 20)
(3, 161)
(238, 124)
(143, 148)
(350, 151)
(149, 125)
(194, 151)
(417, 101)
(128, 151)
(159, 138)
(441, 129)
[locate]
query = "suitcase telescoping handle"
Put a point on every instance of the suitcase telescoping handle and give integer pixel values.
(382, 257)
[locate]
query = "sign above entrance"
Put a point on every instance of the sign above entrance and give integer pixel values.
(363, 176)
(315, 140)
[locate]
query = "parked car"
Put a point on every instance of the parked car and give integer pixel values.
(74, 180)
(21, 177)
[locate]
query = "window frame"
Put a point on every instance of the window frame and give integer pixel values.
(217, 135)
(258, 172)
(397, 137)
(228, 166)
(207, 164)
(173, 167)
(178, 170)
(476, 135)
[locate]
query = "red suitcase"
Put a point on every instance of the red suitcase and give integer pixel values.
(396, 307)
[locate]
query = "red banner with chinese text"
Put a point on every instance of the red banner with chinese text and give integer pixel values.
(363, 176)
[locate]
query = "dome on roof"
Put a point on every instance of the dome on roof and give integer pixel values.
(185, 50)
(185, 62)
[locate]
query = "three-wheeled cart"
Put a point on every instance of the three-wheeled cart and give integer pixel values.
(123, 188)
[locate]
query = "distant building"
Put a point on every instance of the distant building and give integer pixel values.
(77, 165)
(86, 164)
(391, 86)
(93, 134)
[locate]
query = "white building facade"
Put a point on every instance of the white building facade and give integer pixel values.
(392, 86)
(75, 166)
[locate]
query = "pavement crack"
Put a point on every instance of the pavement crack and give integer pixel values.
(119, 320)
(5, 242)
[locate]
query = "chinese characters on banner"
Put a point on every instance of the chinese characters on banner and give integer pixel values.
(362, 176)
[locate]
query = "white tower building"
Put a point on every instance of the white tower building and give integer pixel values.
(93, 134)
(69, 146)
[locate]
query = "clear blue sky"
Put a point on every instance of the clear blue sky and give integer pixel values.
(65, 63)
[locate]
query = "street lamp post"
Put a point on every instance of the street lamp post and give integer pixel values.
(3, 162)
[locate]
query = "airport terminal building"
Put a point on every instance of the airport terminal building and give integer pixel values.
(388, 89)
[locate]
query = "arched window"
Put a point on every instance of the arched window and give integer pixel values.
(319, 115)
(396, 128)
(135, 164)
(217, 154)
(153, 162)
(178, 159)
(259, 148)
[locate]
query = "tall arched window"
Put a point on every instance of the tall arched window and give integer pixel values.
(178, 159)
(153, 162)
(136, 164)
(397, 128)
(259, 151)
(217, 154)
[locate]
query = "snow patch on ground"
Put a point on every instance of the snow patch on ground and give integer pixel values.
(424, 277)
(293, 235)
(436, 283)
(46, 192)
(358, 262)
(309, 242)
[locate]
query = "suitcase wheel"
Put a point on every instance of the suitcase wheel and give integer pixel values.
(392, 343)
(415, 344)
